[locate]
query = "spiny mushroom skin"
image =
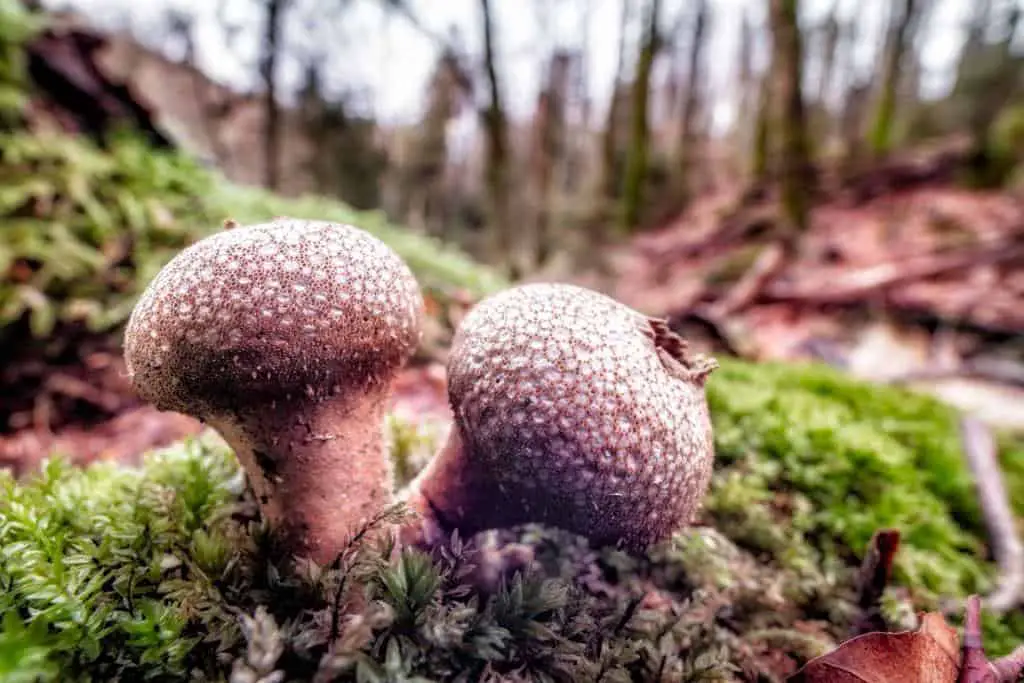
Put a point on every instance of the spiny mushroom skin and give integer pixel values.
(284, 337)
(570, 410)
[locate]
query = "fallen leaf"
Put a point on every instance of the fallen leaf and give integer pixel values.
(931, 654)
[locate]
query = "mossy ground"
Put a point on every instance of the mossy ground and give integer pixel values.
(165, 572)
(86, 229)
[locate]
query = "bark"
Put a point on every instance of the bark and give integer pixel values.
(794, 158)
(693, 95)
(268, 70)
(496, 128)
(637, 161)
(881, 131)
(610, 138)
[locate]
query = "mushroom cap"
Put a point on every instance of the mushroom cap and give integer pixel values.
(270, 311)
(586, 412)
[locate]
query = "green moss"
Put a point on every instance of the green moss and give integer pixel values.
(166, 573)
(811, 463)
(84, 230)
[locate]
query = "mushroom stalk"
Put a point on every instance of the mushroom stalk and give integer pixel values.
(299, 456)
(570, 410)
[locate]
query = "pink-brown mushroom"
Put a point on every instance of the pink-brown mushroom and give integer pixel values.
(285, 337)
(570, 410)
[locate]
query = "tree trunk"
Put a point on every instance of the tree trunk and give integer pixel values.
(794, 158)
(610, 139)
(268, 70)
(881, 130)
(998, 87)
(636, 167)
(762, 127)
(692, 97)
(829, 53)
(548, 150)
(496, 128)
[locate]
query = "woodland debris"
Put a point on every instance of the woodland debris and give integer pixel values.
(769, 264)
(875, 572)
(980, 450)
(928, 655)
(861, 284)
(986, 369)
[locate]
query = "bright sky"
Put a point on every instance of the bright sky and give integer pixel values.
(392, 59)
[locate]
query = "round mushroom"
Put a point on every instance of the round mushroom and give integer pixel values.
(570, 410)
(284, 337)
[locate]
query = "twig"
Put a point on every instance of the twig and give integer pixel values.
(974, 667)
(1010, 668)
(874, 575)
(980, 451)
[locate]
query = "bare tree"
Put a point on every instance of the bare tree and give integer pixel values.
(763, 125)
(904, 14)
(794, 159)
(610, 137)
(693, 94)
(637, 160)
(496, 129)
(549, 132)
(273, 22)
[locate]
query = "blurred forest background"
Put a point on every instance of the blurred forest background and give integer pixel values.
(834, 179)
(524, 131)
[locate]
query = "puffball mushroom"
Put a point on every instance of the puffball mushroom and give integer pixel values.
(284, 337)
(570, 410)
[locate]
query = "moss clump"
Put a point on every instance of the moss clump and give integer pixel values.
(166, 572)
(810, 463)
(83, 230)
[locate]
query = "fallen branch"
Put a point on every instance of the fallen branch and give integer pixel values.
(770, 262)
(858, 285)
(874, 575)
(980, 451)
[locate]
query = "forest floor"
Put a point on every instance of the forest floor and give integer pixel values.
(904, 277)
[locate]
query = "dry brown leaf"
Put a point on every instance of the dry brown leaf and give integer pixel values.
(931, 654)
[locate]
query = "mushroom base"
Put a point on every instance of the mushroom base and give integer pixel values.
(457, 491)
(318, 468)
